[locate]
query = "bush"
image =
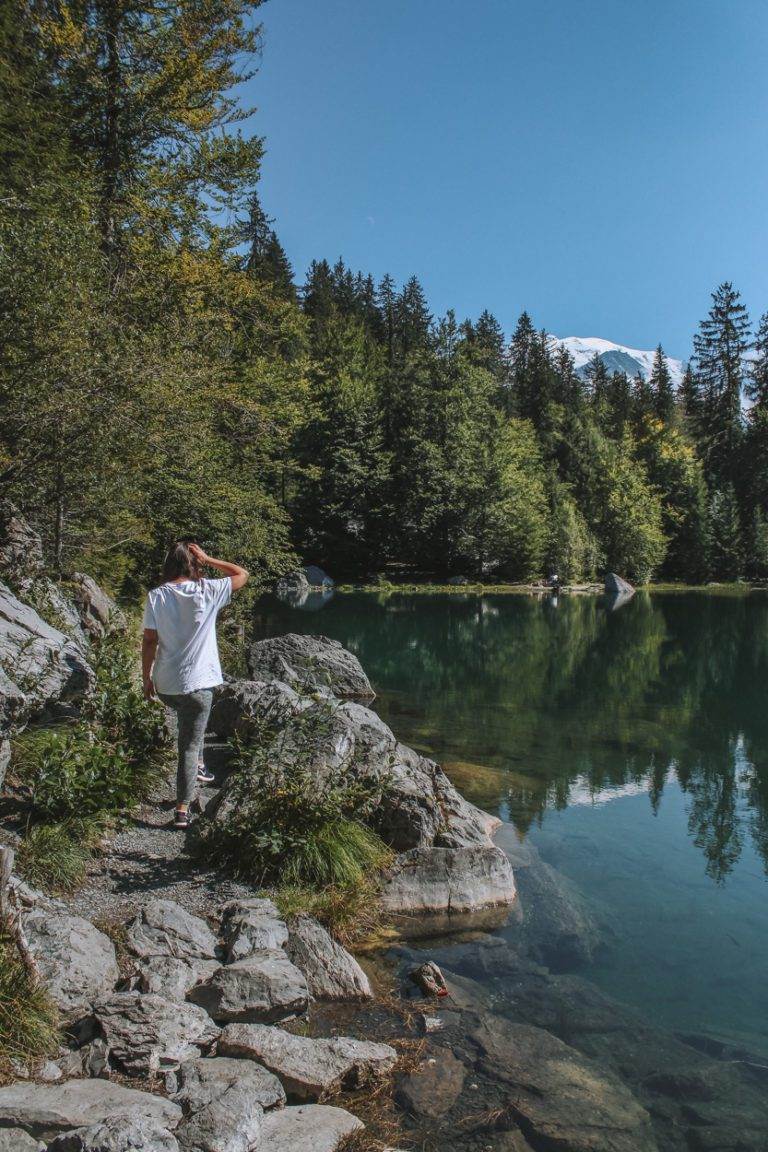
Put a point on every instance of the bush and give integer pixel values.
(296, 821)
(29, 1023)
(117, 710)
(55, 857)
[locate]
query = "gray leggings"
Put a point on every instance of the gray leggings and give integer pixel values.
(192, 711)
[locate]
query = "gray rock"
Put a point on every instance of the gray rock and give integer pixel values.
(310, 1069)
(46, 1110)
(47, 666)
(307, 1128)
(559, 1098)
(458, 581)
(453, 880)
(293, 583)
(17, 1140)
(617, 584)
(97, 612)
(164, 928)
(261, 989)
(172, 977)
(118, 1134)
(21, 549)
(331, 972)
(252, 926)
(244, 707)
(434, 1086)
(223, 1103)
(76, 961)
(316, 577)
(308, 663)
(147, 1033)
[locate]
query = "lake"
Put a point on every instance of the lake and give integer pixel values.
(630, 745)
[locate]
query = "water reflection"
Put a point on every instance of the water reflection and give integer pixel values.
(536, 704)
(306, 599)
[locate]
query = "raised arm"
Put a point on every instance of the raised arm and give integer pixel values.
(237, 574)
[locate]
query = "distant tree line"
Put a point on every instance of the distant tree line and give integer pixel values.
(161, 371)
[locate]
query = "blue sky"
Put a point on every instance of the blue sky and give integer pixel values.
(602, 163)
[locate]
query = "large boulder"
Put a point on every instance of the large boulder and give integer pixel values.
(560, 1099)
(617, 585)
(244, 707)
(21, 549)
(448, 880)
(77, 962)
(263, 988)
(172, 977)
(118, 1134)
(309, 1069)
(249, 926)
(316, 577)
(164, 928)
(331, 972)
(223, 1103)
(309, 663)
(97, 612)
(293, 583)
(307, 1128)
(46, 1110)
(145, 1033)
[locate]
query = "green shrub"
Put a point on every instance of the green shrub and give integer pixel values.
(29, 1023)
(117, 710)
(55, 857)
(294, 819)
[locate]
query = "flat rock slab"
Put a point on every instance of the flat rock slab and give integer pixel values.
(434, 1087)
(261, 989)
(223, 1103)
(164, 928)
(171, 977)
(559, 1098)
(307, 1128)
(454, 880)
(146, 1033)
(331, 972)
(17, 1140)
(118, 1134)
(46, 1110)
(310, 1069)
(76, 961)
(308, 663)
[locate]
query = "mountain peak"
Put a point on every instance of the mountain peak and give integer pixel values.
(616, 357)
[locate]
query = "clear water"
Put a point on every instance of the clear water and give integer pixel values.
(631, 745)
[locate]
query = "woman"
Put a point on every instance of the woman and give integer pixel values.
(180, 657)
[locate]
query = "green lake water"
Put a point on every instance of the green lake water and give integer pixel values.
(630, 745)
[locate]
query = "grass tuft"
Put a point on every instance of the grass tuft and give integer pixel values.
(29, 1021)
(350, 912)
(55, 857)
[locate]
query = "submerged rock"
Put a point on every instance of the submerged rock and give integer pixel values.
(263, 988)
(77, 962)
(45, 1110)
(310, 1069)
(309, 663)
(434, 1086)
(307, 1128)
(331, 972)
(164, 928)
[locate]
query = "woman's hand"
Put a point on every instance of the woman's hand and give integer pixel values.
(198, 553)
(149, 689)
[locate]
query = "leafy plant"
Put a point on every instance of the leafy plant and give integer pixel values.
(295, 817)
(29, 1023)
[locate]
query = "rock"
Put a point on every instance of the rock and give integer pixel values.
(45, 1110)
(171, 977)
(146, 1033)
(47, 665)
(617, 584)
(434, 1087)
(243, 707)
(250, 926)
(164, 928)
(21, 549)
(458, 581)
(261, 989)
(316, 578)
(308, 663)
(453, 880)
(17, 1140)
(76, 961)
(223, 1103)
(307, 1128)
(293, 583)
(97, 612)
(309, 1069)
(331, 972)
(559, 1098)
(118, 1134)
(430, 979)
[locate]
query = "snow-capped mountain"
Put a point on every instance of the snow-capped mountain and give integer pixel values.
(616, 357)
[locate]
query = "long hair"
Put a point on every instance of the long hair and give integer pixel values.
(179, 561)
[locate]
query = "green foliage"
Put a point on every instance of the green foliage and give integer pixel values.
(350, 912)
(29, 1023)
(55, 857)
(292, 818)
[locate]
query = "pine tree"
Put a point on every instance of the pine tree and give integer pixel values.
(413, 322)
(266, 258)
(756, 385)
(757, 551)
(726, 536)
(661, 386)
(719, 348)
(520, 368)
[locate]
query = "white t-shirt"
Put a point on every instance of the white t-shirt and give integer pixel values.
(184, 616)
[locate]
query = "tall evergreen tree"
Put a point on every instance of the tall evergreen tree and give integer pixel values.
(661, 386)
(266, 258)
(725, 534)
(756, 384)
(719, 349)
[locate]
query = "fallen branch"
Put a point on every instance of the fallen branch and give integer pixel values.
(10, 917)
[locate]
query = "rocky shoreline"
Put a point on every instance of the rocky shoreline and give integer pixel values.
(200, 1019)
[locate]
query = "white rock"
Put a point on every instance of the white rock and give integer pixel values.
(453, 880)
(250, 926)
(307, 1128)
(17, 1140)
(223, 1103)
(172, 977)
(118, 1134)
(146, 1033)
(310, 1069)
(76, 961)
(261, 989)
(164, 928)
(45, 1110)
(331, 972)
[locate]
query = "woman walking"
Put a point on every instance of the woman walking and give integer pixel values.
(180, 656)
